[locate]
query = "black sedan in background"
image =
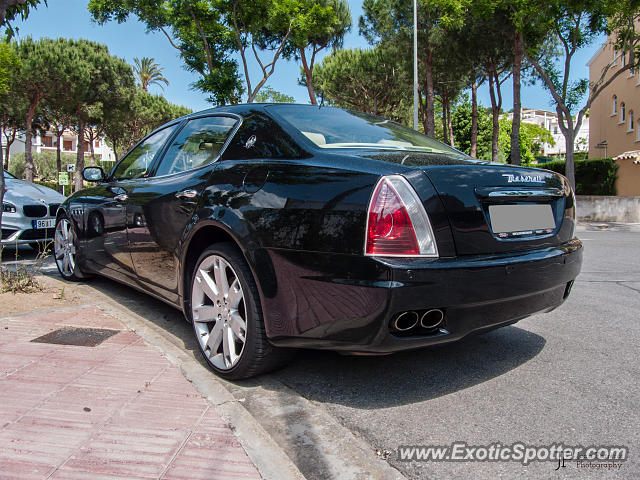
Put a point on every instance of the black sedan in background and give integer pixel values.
(287, 226)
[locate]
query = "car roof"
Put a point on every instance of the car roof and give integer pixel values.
(245, 108)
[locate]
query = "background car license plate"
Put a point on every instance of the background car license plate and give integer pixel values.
(47, 223)
(521, 218)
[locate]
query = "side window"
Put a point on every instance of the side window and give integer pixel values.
(261, 137)
(136, 164)
(198, 143)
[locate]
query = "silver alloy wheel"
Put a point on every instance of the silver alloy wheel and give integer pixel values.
(218, 311)
(65, 248)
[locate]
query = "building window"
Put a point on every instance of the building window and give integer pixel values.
(97, 143)
(615, 105)
(47, 141)
(67, 145)
(631, 122)
(623, 112)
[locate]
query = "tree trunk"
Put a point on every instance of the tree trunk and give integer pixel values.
(91, 149)
(452, 140)
(79, 156)
(115, 150)
(474, 119)
(518, 53)
(28, 138)
(570, 171)
(430, 125)
(1, 195)
(308, 74)
(445, 130)
(495, 113)
(7, 148)
(59, 157)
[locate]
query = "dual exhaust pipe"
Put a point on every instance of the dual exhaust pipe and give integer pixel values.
(408, 320)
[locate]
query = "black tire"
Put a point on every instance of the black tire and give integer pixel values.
(73, 273)
(257, 355)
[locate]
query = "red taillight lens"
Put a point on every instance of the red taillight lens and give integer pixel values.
(390, 231)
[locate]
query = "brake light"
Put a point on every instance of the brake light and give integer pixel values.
(397, 224)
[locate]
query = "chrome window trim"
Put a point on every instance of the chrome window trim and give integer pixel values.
(239, 120)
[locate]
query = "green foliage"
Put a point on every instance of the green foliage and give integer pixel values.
(149, 72)
(9, 62)
(269, 95)
(595, 176)
(52, 185)
(11, 10)
(323, 25)
(366, 80)
(389, 24)
(532, 138)
(461, 120)
(44, 162)
(196, 28)
(124, 128)
(320, 24)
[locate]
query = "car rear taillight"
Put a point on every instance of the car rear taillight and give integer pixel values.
(397, 224)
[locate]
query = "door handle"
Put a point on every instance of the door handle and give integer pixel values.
(187, 194)
(121, 198)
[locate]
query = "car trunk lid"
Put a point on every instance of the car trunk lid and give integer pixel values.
(495, 208)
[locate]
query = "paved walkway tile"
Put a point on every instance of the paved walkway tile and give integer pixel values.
(115, 411)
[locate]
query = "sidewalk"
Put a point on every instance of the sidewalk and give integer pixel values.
(112, 411)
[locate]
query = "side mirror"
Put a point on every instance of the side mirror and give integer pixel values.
(93, 174)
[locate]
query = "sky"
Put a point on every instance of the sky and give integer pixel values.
(71, 19)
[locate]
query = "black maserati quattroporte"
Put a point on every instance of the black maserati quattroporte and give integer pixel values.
(280, 226)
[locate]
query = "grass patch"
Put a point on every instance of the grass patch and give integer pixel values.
(22, 278)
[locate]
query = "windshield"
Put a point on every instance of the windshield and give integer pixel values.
(337, 128)
(8, 175)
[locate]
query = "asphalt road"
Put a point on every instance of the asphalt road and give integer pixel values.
(571, 376)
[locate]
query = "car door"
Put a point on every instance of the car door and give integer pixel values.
(107, 244)
(159, 209)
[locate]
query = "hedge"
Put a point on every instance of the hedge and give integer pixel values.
(52, 185)
(596, 176)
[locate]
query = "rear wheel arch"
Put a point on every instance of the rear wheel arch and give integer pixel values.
(205, 236)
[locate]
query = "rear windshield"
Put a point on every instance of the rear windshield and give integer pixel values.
(337, 128)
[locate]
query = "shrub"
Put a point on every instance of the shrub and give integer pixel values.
(596, 176)
(44, 162)
(52, 185)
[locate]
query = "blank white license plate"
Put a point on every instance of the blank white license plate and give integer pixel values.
(521, 218)
(47, 223)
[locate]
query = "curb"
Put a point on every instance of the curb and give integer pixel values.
(270, 460)
(607, 227)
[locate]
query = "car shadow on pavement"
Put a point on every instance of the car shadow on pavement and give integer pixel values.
(153, 310)
(409, 377)
(361, 382)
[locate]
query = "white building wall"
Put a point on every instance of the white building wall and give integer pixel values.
(69, 145)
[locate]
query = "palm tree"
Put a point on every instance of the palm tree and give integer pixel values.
(149, 72)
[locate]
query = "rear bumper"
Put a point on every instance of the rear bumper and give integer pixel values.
(476, 293)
